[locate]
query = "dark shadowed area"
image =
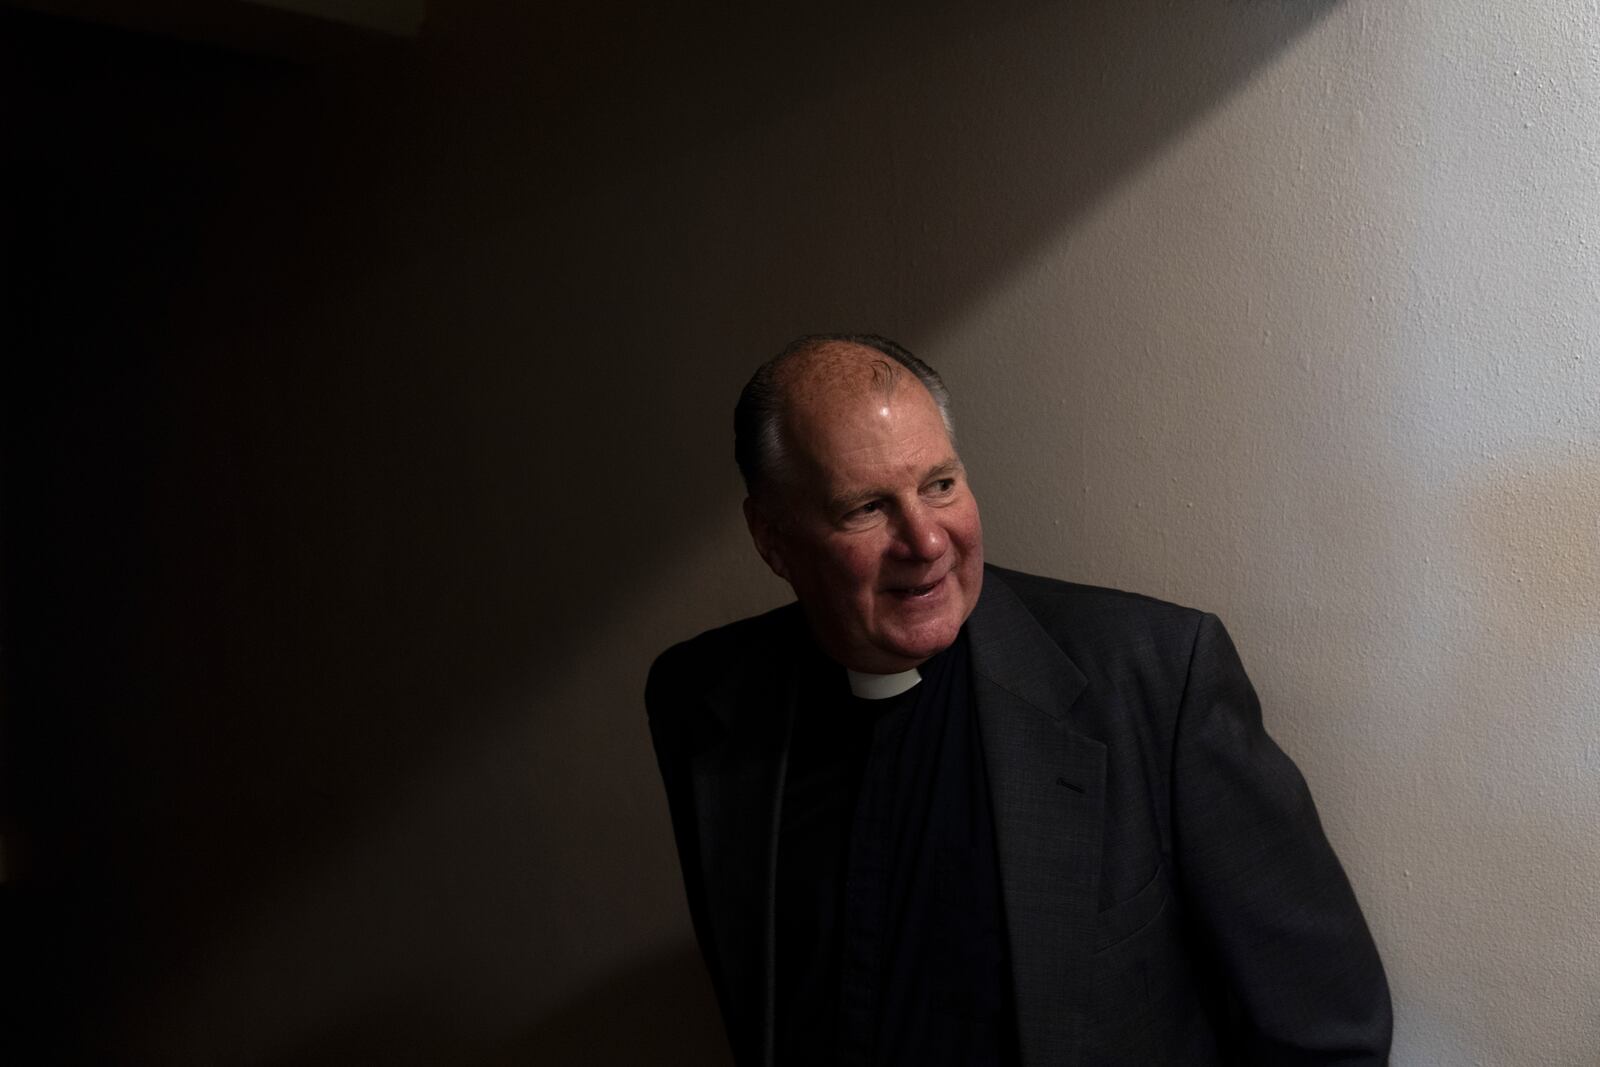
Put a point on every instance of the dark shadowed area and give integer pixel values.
(356, 401)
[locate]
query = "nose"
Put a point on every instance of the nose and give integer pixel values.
(921, 537)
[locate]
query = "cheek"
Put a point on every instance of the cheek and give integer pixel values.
(855, 569)
(967, 531)
(864, 572)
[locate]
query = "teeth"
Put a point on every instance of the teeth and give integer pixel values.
(916, 590)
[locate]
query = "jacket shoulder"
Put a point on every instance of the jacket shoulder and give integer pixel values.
(692, 668)
(1091, 616)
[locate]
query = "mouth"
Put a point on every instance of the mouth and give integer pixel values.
(918, 592)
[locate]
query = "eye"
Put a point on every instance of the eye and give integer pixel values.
(863, 512)
(944, 485)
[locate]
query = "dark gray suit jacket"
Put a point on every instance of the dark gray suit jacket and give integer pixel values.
(1170, 897)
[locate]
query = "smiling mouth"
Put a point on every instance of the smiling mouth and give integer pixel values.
(913, 592)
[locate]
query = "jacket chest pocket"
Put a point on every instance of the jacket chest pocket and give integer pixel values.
(1128, 917)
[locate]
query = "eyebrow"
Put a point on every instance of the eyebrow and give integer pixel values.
(849, 501)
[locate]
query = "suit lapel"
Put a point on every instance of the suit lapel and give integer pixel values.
(1048, 787)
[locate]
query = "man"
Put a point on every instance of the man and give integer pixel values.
(943, 813)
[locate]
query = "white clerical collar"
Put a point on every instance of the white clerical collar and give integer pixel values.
(881, 686)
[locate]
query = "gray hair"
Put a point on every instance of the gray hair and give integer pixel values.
(757, 433)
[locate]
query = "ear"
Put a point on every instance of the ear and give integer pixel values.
(766, 536)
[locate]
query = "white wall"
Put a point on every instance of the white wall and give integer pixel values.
(1328, 365)
(1322, 358)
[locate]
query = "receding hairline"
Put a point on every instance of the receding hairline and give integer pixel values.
(866, 371)
(815, 369)
(823, 363)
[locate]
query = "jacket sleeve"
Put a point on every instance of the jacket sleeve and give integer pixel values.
(1262, 882)
(672, 734)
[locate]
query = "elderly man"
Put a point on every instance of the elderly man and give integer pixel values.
(942, 813)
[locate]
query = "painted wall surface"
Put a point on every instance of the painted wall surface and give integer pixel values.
(1285, 310)
(1326, 365)
(403, 17)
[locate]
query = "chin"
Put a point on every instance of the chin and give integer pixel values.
(925, 643)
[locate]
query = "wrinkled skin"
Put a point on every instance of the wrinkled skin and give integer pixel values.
(869, 517)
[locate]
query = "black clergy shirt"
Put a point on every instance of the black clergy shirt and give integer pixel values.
(891, 942)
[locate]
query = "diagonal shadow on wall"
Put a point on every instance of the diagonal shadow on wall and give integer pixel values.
(391, 390)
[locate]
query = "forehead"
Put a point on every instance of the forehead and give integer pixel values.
(831, 371)
(855, 415)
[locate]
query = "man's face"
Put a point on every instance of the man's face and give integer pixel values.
(873, 525)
